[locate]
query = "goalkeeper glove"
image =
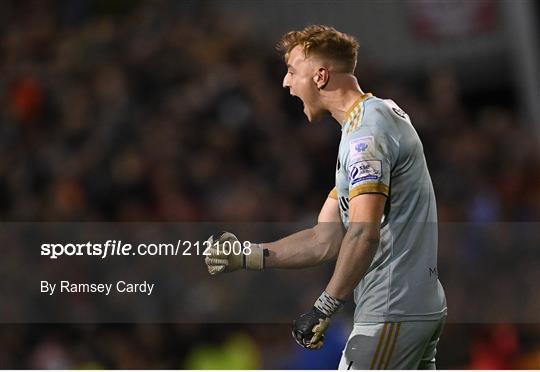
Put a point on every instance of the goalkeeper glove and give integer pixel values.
(308, 330)
(222, 257)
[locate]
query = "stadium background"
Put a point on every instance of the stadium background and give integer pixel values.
(174, 111)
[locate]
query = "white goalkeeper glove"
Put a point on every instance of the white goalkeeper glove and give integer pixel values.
(226, 254)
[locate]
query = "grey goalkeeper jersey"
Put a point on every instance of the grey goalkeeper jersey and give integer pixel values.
(380, 152)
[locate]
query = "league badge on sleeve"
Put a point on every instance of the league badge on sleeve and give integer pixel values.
(365, 170)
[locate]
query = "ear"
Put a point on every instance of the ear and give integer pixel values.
(321, 78)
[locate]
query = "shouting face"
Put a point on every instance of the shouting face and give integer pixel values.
(303, 79)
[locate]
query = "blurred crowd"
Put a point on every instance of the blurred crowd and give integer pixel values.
(166, 111)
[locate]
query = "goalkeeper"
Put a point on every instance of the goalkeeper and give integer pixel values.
(379, 222)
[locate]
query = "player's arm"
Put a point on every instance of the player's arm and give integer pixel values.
(355, 256)
(309, 247)
(305, 248)
(359, 244)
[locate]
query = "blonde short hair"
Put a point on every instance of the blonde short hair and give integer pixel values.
(325, 42)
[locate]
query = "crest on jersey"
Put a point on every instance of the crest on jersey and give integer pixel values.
(359, 146)
(365, 170)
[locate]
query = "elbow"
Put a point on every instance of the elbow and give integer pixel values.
(328, 236)
(367, 234)
(371, 240)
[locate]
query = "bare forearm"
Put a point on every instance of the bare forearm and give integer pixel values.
(305, 248)
(355, 257)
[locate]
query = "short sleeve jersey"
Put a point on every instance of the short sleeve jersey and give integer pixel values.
(380, 152)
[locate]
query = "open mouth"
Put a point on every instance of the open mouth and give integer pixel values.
(304, 106)
(299, 99)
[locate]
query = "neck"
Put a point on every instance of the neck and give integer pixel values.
(339, 100)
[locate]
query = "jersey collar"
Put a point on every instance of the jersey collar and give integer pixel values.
(353, 111)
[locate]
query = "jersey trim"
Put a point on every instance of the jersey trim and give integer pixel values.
(356, 107)
(333, 194)
(369, 188)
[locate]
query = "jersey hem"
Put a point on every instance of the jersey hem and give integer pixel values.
(366, 318)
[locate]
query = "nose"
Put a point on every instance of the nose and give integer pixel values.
(286, 81)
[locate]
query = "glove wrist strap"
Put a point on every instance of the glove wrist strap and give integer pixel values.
(328, 305)
(254, 260)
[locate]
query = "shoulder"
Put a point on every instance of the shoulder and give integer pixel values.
(378, 133)
(379, 118)
(383, 110)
